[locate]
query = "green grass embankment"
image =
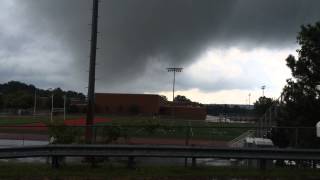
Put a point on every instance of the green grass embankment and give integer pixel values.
(37, 171)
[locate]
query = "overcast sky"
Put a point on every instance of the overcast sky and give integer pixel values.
(228, 48)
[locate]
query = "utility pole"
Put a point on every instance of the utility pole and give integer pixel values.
(263, 88)
(249, 99)
(92, 72)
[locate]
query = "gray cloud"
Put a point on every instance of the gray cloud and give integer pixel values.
(140, 38)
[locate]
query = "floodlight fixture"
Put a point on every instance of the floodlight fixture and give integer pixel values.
(174, 69)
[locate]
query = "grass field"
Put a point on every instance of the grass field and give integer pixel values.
(20, 120)
(40, 171)
(116, 120)
(137, 126)
(204, 133)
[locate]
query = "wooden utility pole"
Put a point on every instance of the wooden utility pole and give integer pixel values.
(92, 73)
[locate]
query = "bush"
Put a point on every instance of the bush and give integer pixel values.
(113, 133)
(134, 109)
(63, 134)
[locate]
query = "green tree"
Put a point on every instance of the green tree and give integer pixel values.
(301, 103)
(164, 98)
(58, 98)
(134, 109)
(262, 105)
(19, 99)
(18, 95)
(1, 101)
(182, 99)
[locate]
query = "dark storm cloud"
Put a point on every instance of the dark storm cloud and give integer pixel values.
(139, 35)
(12, 44)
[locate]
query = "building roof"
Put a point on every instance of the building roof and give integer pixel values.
(131, 94)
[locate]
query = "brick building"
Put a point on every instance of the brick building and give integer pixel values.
(144, 104)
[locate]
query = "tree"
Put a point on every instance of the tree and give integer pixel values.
(182, 99)
(301, 103)
(58, 98)
(164, 98)
(262, 105)
(134, 109)
(1, 101)
(19, 100)
(17, 95)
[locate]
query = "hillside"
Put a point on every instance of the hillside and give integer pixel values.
(18, 95)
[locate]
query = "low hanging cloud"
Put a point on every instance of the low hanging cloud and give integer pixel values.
(139, 39)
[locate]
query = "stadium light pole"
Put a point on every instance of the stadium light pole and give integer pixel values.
(92, 72)
(174, 70)
(263, 88)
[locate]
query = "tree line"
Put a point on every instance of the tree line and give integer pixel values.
(18, 95)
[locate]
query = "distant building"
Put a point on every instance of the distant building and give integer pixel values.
(145, 104)
(107, 103)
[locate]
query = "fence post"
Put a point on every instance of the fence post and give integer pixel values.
(258, 127)
(270, 117)
(54, 162)
(264, 124)
(263, 164)
(187, 144)
(187, 136)
(95, 134)
(296, 137)
(194, 162)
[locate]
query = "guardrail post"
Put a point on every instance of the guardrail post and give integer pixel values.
(130, 162)
(263, 164)
(194, 162)
(55, 162)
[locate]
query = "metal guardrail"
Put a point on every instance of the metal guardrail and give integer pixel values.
(159, 151)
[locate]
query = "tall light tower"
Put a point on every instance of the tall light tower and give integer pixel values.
(263, 88)
(249, 98)
(174, 70)
(92, 72)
